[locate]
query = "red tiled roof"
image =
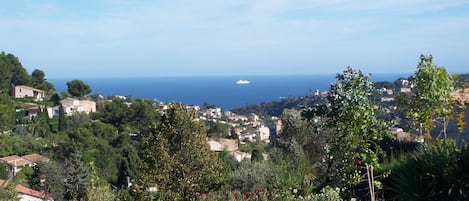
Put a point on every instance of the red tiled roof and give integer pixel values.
(15, 161)
(8, 159)
(35, 158)
(26, 191)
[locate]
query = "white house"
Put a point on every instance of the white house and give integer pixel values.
(22, 91)
(72, 105)
(264, 133)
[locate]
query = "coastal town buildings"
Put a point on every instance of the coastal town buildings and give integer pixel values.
(23, 91)
(73, 105)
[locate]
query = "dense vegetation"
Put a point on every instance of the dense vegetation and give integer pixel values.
(334, 147)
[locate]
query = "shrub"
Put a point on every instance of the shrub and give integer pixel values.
(435, 172)
(251, 176)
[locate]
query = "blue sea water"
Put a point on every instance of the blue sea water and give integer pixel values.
(219, 90)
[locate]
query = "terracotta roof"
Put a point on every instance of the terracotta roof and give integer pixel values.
(35, 158)
(460, 95)
(26, 191)
(8, 159)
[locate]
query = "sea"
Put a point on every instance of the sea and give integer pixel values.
(223, 91)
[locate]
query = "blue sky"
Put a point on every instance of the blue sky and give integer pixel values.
(119, 38)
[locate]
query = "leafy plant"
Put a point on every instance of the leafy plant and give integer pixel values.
(435, 172)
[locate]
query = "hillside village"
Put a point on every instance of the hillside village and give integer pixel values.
(66, 146)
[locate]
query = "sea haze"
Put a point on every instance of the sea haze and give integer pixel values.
(219, 90)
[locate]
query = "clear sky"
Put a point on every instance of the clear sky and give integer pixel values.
(117, 38)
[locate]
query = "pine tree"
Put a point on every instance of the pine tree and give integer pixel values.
(177, 161)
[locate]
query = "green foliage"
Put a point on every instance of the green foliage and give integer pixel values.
(141, 115)
(218, 130)
(39, 81)
(177, 159)
(98, 189)
(435, 172)
(327, 194)
(21, 144)
(433, 99)
(4, 174)
(117, 113)
(24, 175)
(9, 193)
(76, 177)
(292, 172)
(54, 175)
(251, 176)
(7, 113)
(62, 119)
(274, 108)
(356, 130)
(78, 88)
(11, 72)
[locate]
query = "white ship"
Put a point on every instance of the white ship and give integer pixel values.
(243, 82)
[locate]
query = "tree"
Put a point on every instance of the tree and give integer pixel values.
(54, 175)
(433, 99)
(76, 177)
(62, 118)
(356, 130)
(4, 174)
(78, 88)
(116, 113)
(98, 189)
(11, 72)
(7, 113)
(142, 114)
(177, 159)
(39, 81)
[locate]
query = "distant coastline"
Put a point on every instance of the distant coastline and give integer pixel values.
(219, 90)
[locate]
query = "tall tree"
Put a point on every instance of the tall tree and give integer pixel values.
(62, 118)
(11, 72)
(177, 159)
(98, 189)
(54, 175)
(38, 80)
(433, 99)
(142, 114)
(356, 129)
(116, 113)
(78, 88)
(76, 177)
(7, 113)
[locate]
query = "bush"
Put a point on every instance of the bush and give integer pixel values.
(435, 172)
(251, 176)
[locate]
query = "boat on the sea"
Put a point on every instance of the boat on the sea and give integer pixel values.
(243, 82)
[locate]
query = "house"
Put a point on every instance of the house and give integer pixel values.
(264, 133)
(22, 91)
(240, 156)
(15, 163)
(72, 105)
(27, 194)
(461, 96)
(253, 117)
(387, 99)
(35, 158)
(405, 90)
(223, 144)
